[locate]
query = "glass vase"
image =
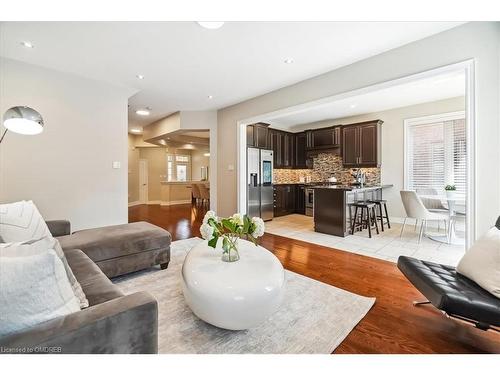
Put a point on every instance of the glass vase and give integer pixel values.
(230, 248)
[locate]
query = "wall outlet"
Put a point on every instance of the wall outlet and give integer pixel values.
(230, 167)
(117, 165)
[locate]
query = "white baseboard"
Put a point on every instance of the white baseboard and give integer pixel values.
(173, 203)
(154, 202)
(135, 203)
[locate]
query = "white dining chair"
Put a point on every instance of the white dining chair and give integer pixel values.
(433, 205)
(415, 209)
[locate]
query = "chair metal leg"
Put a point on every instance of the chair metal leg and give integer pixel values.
(421, 231)
(402, 228)
(416, 224)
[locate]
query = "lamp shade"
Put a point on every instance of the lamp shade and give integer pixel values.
(23, 120)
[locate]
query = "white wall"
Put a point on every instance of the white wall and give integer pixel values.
(479, 41)
(199, 160)
(66, 170)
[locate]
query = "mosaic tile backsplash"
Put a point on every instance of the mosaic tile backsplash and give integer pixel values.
(325, 166)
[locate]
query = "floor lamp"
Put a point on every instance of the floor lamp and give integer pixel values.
(22, 120)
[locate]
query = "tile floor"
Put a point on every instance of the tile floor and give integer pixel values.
(387, 245)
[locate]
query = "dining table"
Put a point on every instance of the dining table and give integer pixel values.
(453, 201)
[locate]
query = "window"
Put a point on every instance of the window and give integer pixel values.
(181, 172)
(178, 167)
(436, 152)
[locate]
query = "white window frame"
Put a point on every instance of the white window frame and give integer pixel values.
(175, 163)
(441, 117)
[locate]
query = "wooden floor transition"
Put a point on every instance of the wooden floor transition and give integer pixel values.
(393, 325)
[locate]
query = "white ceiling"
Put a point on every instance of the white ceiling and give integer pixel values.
(429, 89)
(183, 63)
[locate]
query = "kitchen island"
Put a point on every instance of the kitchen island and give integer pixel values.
(331, 205)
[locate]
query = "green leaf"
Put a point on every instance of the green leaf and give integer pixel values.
(229, 225)
(213, 241)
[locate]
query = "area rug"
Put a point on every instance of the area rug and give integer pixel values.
(313, 318)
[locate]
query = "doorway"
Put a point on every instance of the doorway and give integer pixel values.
(143, 181)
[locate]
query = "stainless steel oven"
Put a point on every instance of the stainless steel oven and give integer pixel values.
(309, 201)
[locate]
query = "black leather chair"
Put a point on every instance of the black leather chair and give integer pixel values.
(454, 294)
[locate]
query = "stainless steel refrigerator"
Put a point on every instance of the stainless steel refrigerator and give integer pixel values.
(260, 198)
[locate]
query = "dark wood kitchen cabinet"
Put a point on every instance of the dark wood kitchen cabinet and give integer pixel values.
(300, 151)
(300, 200)
(361, 144)
(283, 146)
(258, 135)
(324, 138)
(284, 199)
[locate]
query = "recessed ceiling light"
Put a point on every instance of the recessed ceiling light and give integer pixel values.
(142, 112)
(353, 105)
(134, 130)
(27, 44)
(210, 97)
(140, 76)
(212, 25)
(288, 61)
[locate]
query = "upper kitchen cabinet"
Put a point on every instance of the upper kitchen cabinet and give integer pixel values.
(324, 138)
(301, 151)
(361, 144)
(283, 146)
(258, 135)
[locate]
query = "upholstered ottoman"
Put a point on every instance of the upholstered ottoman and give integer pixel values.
(121, 249)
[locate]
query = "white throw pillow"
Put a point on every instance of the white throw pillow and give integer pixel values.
(34, 289)
(481, 263)
(40, 246)
(21, 221)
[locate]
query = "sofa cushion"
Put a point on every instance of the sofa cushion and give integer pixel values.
(96, 286)
(40, 246)
(34, 289)
(21, 221)
(117, 241)
(481, 263)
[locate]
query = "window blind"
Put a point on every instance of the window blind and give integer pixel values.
(436, 155)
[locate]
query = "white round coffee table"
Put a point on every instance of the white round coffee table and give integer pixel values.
(237, 295)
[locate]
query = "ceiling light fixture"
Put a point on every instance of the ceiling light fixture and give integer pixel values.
(142, 112)
(140, 76)
(289, 61)
(207, 154)
(353, 106)
(135, 130)
(210, 97)
(211, 25)
(27, 44)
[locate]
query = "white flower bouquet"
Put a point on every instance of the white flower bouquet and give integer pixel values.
(230, 230)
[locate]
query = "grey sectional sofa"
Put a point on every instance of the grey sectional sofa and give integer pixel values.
(114, 322)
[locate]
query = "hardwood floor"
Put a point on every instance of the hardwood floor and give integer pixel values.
(393, 325)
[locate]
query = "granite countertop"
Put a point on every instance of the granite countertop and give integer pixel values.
(352, 188)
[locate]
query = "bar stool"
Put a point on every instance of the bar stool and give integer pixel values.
(367, 217)
(379, 203)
